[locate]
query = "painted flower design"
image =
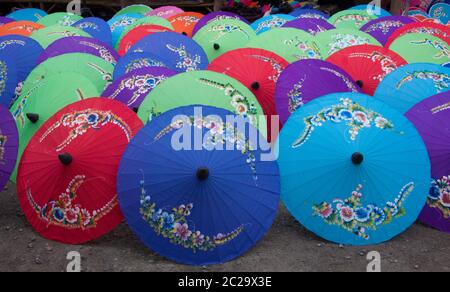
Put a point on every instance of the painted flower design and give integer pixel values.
(3, 76)
(358, 19)
(441, 81)
(271, 23)
(187, 61)
(306, 49)
(342, 41)
(440, 46)
(384, 26)
(439, 197)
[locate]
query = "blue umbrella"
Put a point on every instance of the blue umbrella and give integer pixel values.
(271, 21)
(96, 27)
(309, 13)
(27, 14)
(119, 23)
(178, 52)
(372, 9)
(440, 11)
(8, 79)
(412, 83)
(353, 170)
(133, 61)
(197, 207)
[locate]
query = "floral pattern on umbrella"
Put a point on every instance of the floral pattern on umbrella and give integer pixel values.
(439, 197)
(442, 47)
(3, 76)
(441, 81)
(187, 62)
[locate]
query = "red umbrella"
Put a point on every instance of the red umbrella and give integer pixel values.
(67, 176)
(439, 30)
(138, 33)
(367, 64)
(184, 23)
(258, 70)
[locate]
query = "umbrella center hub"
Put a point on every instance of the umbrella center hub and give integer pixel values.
(357, 158)
(216, 47)
(360, 83)
(255, 85)
(202, 173)
(65, 158)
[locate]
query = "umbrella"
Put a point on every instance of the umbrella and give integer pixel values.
(138, 33)
(431, 119)
(289, 43)
(96, 27)
(410, 84)
(133, 61)
(440, 11)
(197, 207)
(306, 80)
(354, 171)
(259, 71)
(374, 9)
(9, 143)
(221, 36)
(132, 88)
(382, 28)
(367, 64)
(434, 29)
(67, 177)
(80, 45)
(309, 13)
(184, 23)
(165, 11)
(27, 14)
(9, 78)
(37, 104)
(118, 24)
(421, 48)
(216, 16)
(332, 41)
(60, 18)
(352, 19)
(270, 22)
(46, 36)
(5, 20)
(178, 52)
(310, 25)
(23, 28)
(135, 9)
(206, 88)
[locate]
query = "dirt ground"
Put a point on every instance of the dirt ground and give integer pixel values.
(287, 247)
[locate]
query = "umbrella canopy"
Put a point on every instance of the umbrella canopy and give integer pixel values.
(440, 11)
(165, 11)
(96, 27)
(37, 104)
(176, 51)
(351, 19)
(133, 61)
(367, 172)
(332, 41)
(184, 23)
(422, 48)
(382, 28)
(259, 71)
(271, 21)
(309, 13)
(310, 25)
(206, 88)
(306, 80)
(410, 84)
(5, 20)
(59, 18)
(374, 9)
(27, 14)
(197, 207)
(67, 176)
(132, 88)
(9, 143)
(9, 79)
(367, 64)
(221, 36)
(289, 43)
(80, 45)
(23, 28)
(48, 35)
(430, 117)
(434, 29)
(216, 16)
(135, 9)
(119, 23)
(137, 34)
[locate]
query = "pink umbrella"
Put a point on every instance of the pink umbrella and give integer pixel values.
(165, 11)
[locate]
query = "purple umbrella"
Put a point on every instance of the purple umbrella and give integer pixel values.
(306, 80)
(310, 25)
(382, 28)
(5, 20)
(214, 16)
(80, 45)
(9, 144)
(432, 119)
(132, 88)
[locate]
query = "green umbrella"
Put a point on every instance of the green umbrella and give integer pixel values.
(422, 48)
(353, 19)
(97, 70)
(332, 41)
(290, 43)
(221, 36)
(203, 88)
(36, 105)
(46, 36)
(135, 9)
(60, 18)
